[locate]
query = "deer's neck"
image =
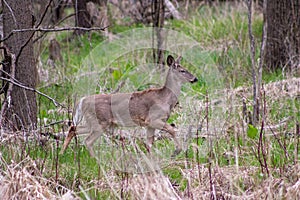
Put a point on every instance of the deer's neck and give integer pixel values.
(172, 88)
(173, 84)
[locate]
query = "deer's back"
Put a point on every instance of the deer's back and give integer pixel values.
(128, 109)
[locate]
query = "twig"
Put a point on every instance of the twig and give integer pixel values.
(44, 14)
(262, 47)
(264, 118)
(252, 54)
(44, 33)
(210, 149)
(187, 163)
(53, 123)
(34, 90)
(199, 129)
(65, 18)
(259, 146)
(8, 74)
(78, 161)
(56, 161)
(297, 143)
(120, 85)
(260, 142)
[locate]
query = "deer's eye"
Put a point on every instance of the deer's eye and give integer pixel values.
(182, 71)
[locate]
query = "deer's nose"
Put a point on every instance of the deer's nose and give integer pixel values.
(194, 80)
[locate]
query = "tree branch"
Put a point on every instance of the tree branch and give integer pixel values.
(53, 30)
(32, 89)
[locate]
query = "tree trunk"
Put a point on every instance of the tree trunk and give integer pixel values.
(158, 24)
(283, 34)
(57, 10)
(21, 110)
(82, 17)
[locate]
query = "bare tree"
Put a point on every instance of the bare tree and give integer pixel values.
(21, 108)
(283, 41)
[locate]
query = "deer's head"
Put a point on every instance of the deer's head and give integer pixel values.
(178, 72)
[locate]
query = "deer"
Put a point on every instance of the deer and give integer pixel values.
(150, 108)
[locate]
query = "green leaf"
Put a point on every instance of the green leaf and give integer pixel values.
(252, 131)
(116, 74)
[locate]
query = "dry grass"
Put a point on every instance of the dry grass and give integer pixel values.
(240, 183)
(24, 181)
(152, 186)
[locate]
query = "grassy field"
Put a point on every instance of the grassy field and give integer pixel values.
(223, 157)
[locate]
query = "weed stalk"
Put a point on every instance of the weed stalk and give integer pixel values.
(261, 149)
(56, 160)
(297, 140)
(78, 162)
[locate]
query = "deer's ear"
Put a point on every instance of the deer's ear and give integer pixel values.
(170, 60)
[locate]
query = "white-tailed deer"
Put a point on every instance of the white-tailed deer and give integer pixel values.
(149, 108)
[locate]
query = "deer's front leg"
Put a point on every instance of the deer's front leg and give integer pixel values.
(150, 138)
(91, 139)
(170, 129)
(162, 125)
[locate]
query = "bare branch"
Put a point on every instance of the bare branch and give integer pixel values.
(172, 9)
(262, 47)
(44, 13)
(14, 81)
(252, 54)
(32, 89)
(52, 30)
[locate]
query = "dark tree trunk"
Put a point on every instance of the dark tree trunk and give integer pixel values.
(82, 17)
(57, 9)
(158, 24)
(283, 33)
(21, 110)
